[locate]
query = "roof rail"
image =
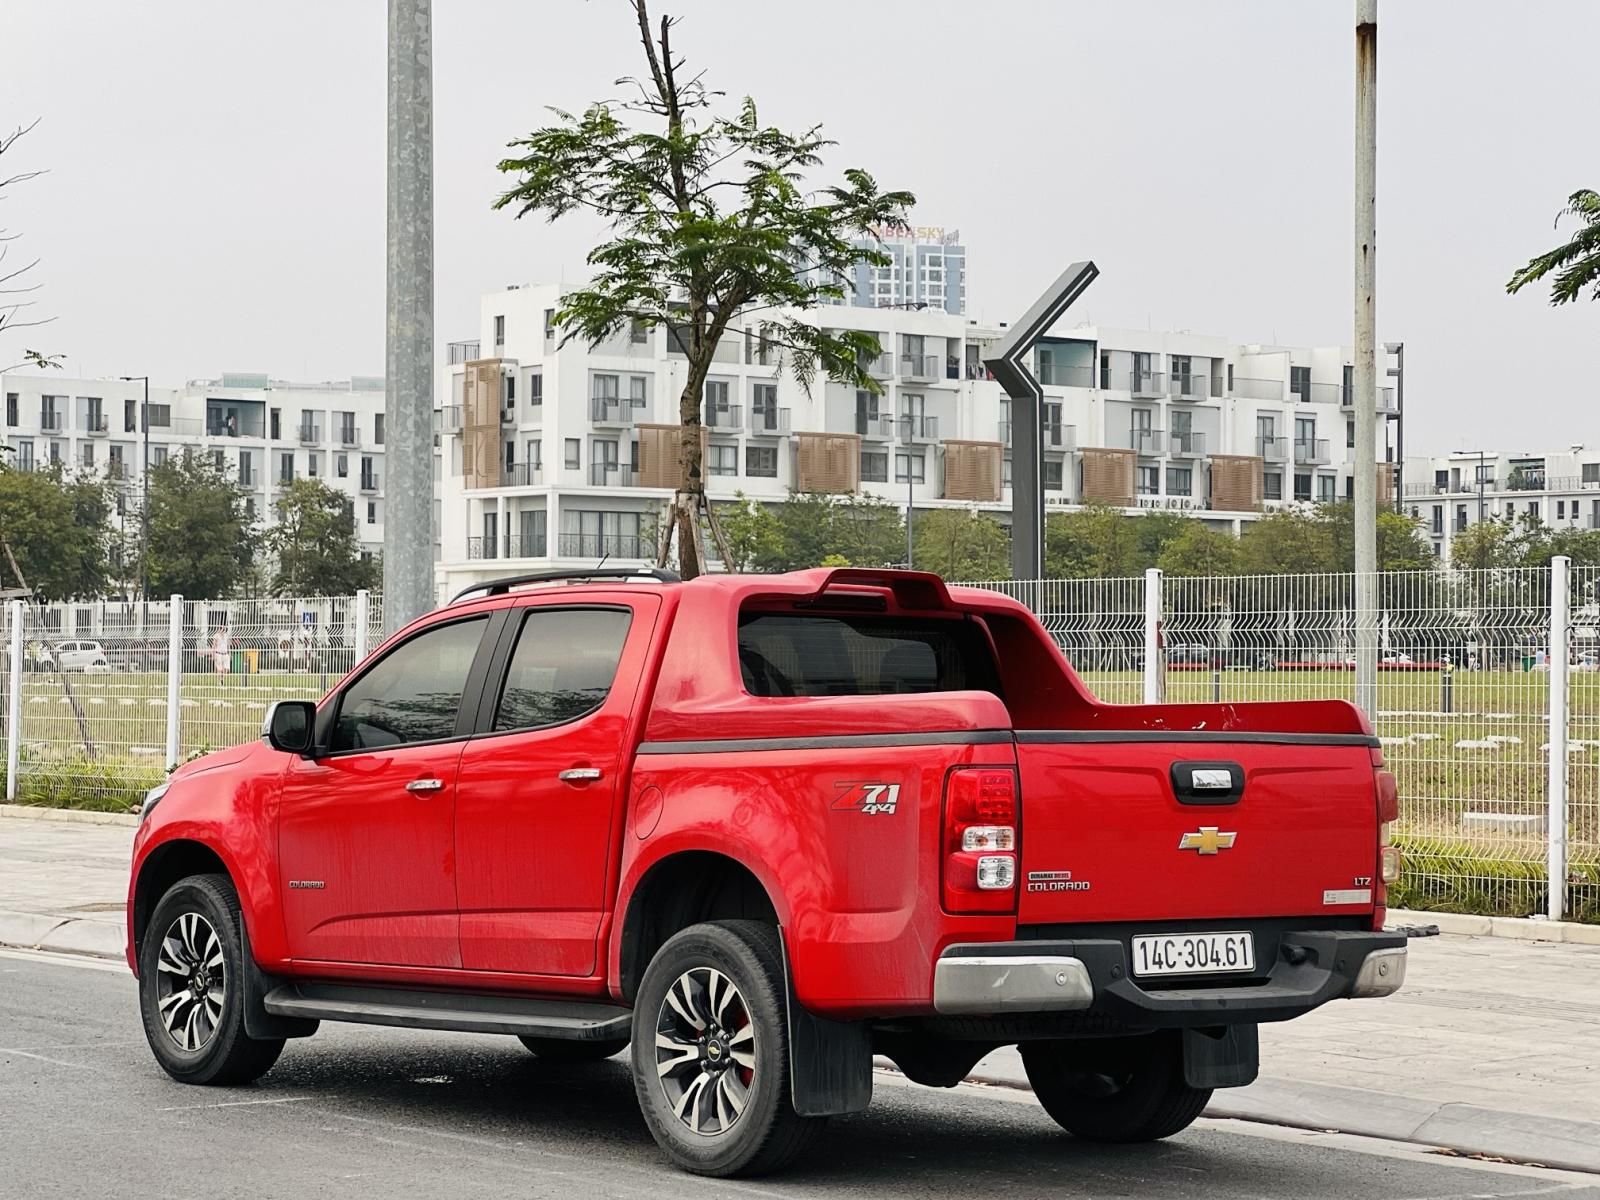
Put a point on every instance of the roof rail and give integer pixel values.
(499, 587)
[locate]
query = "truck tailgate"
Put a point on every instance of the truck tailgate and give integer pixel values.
(1107, 836)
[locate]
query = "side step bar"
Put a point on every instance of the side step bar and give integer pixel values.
(464, 1012)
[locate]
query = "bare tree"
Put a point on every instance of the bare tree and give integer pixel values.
(13, 278)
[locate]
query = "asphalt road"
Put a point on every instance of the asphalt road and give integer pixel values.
(356, 1112)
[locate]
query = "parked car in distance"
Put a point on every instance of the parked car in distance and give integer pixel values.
(1190, 653)
(82, 656)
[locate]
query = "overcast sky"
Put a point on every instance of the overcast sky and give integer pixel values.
(215, 195)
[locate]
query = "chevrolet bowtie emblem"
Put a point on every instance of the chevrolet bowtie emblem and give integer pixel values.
(1208, 841)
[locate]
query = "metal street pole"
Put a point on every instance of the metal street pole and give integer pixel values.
(144, 501)
(408, 407)
(910, 503)
(1398, 374)
(1366, 373)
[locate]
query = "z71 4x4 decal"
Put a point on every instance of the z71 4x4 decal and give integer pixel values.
(869, 799)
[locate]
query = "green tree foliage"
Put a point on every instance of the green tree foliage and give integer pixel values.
(962, 544)
(709, 216)
(56, 527)
(201, 537)
(1199, 550)
(1098, 541)
(314, 542)
(753, 534)
(1576, 262)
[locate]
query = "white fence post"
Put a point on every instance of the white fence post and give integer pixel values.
(362, 609)
(1154, 677)
(1556, 819)
(14, 707)
(174, 677)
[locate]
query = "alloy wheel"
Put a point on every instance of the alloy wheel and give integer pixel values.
(191, 981)
(705, 1051)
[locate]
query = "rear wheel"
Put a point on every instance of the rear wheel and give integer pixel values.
(1115, 1090)
(711, 1052)
(567, 1050)
(191, 986)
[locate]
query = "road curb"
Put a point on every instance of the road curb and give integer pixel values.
(1525, 929)
(65, 935)
(1465, 1128)
(74, 816)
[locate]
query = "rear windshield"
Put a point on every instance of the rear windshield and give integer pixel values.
(818, 654)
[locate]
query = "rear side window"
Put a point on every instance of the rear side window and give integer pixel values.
(792, 654)
(411, 694)
(563, 665)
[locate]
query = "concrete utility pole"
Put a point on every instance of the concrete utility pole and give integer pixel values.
(408, 408)
(1366, 372)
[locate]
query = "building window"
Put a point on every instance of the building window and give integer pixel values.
(1230, 377)
(1053, 474)
(1327, 488)
(1511, 508)
(638, 388)
(1461, 517)
(1300, 383)
(535, 454)
(158, 455)
(874, 466)
(114, 461)
(1180, 481)
(1591, 472)
(761, 462)
(1350, 434)
(499, 332)
(1438, 519)
(511, 456)
(1149, 481)
(764, 407)
(86, 454)
(247, 471)
(549, 324)
(1005, 471)
(1272, 486)
(1533, 509)
(377, 429)
(25, 456)
(1302, 486)
(372, 512)
(716, 395)
(638, 332)
(724, 460)
(11, 409)
(130, 418)
(909, 467)
(574, 454)
(341, 465)
(286, 468)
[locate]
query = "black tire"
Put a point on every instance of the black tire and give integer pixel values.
(764, 1133)
(1117, 1089)
(569, 1051)
(222, 1053)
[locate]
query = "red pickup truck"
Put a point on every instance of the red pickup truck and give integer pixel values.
(761, 828)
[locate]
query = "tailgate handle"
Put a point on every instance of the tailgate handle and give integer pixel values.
(1207, 782)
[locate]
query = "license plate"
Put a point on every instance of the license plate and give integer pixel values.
(1193, 953)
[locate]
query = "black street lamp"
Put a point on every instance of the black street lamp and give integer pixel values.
(144, 490)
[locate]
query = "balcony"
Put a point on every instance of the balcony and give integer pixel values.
(920, 368)
(1311, 452)
(1147, 441)
(523, 474)
(1258, 389)
(611, 411)
(461, 352)
(605, 474)
(369, 484)
(1273, 449)
(1190, 387)
(248, 478)
(311, 435)
(1347, 400)
(478, 547)
(50, 422)
(605, 545)
(1187, 445)
(724, 420)
(531, 545)
(873, 428)
(1052, 435)
(919, 429)
(881, 367)
(96, 425)
(349, 437)
(1148, 383)
(450, 418)
(1054, 374)
(769, 422)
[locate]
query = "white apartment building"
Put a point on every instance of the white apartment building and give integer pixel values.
(561, 454)
(927, 269)
(1450, 493)
(263, 432)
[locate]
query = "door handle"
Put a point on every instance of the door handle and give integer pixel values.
(425, 785)
(580, 774)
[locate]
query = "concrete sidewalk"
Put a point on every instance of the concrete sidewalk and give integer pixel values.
(1492, 1047)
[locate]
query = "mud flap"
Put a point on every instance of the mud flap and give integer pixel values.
(258, 1022)
(1221, 1056)
(830, 1062)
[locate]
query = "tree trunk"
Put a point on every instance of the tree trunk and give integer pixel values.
(689, 500)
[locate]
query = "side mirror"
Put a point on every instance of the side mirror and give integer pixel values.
(290, 725)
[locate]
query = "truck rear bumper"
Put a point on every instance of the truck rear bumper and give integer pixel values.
(1091, 975)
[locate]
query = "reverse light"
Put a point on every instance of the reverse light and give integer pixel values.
(980, 840)
(1388, 858)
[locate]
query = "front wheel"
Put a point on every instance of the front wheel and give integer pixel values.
(1115, 1090)
(191, 987)
(711, 1052)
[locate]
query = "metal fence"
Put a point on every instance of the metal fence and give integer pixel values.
(107, 696)
(1465, 709)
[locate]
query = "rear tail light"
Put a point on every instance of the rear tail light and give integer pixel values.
(1388, 856)
(980, 840)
